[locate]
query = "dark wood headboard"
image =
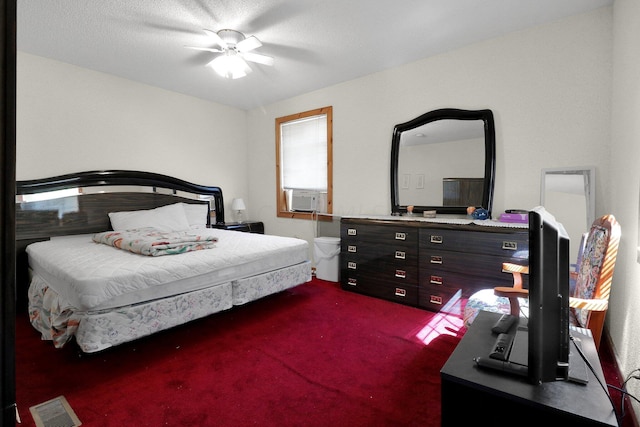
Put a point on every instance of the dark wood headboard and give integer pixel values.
(86, 211)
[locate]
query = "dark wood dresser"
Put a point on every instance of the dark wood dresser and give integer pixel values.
(427, 264)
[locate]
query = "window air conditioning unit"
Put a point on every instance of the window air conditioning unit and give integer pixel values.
(304, 200)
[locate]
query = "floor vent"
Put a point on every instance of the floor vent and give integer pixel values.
(54, 413)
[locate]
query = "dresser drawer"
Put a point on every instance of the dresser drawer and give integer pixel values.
(377, 268)
(383, 234)
(466, 283)
(390, 253)
(469, 264)
(440, 298)
(376, 287)
(511, 245)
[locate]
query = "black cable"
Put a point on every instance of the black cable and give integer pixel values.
(604, 387)
(624, 392)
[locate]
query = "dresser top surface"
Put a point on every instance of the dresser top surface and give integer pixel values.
(442, 221)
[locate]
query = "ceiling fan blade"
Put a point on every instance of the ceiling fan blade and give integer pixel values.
(248, 44)
(206, 49)
(216, 39)
(256, 57)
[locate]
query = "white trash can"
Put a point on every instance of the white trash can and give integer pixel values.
(327, 256)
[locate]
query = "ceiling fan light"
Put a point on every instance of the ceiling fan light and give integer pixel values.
(230, 66)
(235, 49)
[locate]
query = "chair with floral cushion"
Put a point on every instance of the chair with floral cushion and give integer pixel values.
(593, 276)
(573, 268)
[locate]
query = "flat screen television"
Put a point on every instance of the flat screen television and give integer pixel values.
(548, 324)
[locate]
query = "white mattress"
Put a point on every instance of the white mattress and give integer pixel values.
(93, 277)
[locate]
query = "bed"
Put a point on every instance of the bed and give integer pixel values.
(119, 255)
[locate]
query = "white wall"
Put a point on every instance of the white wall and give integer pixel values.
(549, 89)
(72, 119)
(623, 319)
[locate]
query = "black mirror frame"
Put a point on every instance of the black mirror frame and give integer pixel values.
(490, 157)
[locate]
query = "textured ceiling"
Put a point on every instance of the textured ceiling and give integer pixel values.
(315, 43)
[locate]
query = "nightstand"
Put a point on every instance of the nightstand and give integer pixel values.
(245, 226)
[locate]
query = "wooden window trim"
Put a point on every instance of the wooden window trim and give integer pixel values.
(281, 202)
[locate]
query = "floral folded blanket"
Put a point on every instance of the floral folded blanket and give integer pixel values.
(152, 242)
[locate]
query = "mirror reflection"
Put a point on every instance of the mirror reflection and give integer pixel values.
(444, 161)
(569, 194)
(426, 179)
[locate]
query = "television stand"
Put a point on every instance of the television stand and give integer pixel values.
(473, 395)
(515, 347)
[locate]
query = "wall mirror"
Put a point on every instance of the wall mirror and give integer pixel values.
(569, 194)
(443, 160)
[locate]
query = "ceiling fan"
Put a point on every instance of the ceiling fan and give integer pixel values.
(236, 50)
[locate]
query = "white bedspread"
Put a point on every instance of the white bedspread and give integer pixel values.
(92, 276)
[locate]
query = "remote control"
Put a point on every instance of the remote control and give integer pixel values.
(505, 366)
(502, 347)
(504, 323)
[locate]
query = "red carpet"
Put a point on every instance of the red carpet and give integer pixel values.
(616, 379)
(314, 355)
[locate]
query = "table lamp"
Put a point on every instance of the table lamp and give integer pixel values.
(238, 206)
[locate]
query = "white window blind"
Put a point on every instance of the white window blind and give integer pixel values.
(304, 153)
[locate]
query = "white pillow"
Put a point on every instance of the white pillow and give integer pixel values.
(165, 218)
(196, 214)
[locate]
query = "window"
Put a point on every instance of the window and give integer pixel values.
(304, 161)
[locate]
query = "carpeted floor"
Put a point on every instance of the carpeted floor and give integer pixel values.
(314, 355)
(615, 380)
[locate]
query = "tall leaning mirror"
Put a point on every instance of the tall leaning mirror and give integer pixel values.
(569, 194)
(443, 160)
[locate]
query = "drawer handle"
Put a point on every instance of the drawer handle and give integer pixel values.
(352, 248)
(352, 232)
(352, 265)
(435, 259)
(436, 280)
(436, 239)
(510, 246)
(400, 255)
(401, 274)
(353, 282)
(401, 236)
(401, 292)
(433, 299)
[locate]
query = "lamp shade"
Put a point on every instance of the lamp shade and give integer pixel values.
(238, 205)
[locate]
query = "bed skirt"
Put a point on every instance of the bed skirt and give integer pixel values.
(96, 331)
(256, 287)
